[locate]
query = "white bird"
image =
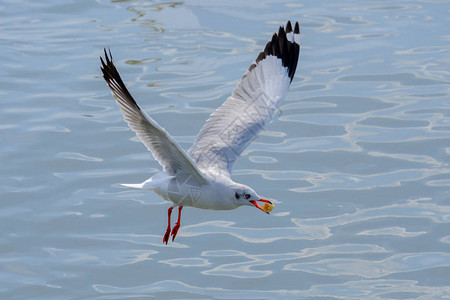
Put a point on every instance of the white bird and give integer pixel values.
(201, 177)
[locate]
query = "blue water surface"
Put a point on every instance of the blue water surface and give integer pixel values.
(356, 162)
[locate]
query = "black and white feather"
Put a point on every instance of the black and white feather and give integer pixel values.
(251, 106)
(164, 148)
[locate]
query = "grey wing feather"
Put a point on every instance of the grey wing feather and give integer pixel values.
(163, 147)
(252, 105)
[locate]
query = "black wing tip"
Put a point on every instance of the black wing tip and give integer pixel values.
(112, 77)
(286, 50)
(107, 67)
(288, 27)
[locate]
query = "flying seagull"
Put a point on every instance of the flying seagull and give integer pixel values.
(201, 177)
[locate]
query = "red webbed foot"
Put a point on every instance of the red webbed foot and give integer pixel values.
(175, 231)
(177, 224)
(166, 236)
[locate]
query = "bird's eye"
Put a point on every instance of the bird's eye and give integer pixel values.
(236, 195)
(246, 196)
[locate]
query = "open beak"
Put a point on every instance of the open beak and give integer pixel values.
(257, 205)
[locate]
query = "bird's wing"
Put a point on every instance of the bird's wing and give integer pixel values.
(163, 147)
(251, 106)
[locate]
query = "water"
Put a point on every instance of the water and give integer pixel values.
(357, 160)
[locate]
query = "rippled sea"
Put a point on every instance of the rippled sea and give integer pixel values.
(356, 161)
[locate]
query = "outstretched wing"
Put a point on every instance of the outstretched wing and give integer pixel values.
(251, 106)
(163, 147)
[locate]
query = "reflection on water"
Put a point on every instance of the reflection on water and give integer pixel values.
(356, 162)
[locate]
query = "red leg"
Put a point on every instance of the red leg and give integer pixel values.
(166, 236)
(177, 224)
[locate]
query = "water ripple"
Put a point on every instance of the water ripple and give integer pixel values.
(399, 263)
(253, 235)
(395, 231)
(247, 268)
(413, 209)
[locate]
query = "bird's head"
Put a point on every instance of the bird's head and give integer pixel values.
(245, 195)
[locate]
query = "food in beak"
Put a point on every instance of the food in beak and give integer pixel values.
(267, 207)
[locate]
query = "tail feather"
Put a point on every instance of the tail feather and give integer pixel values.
(159, 180)
(133, 185)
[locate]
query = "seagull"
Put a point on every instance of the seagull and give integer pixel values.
(201, 177)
